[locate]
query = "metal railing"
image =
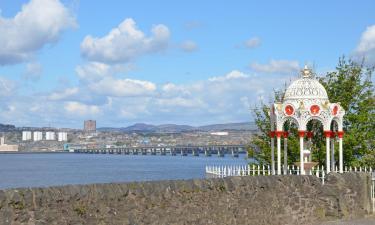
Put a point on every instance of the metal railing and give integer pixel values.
(265, 170)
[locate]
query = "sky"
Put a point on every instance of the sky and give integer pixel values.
(183, 62)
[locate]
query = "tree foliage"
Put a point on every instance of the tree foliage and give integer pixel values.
(351, 85)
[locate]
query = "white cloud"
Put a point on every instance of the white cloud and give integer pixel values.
(276, 66)
(120, 102)
(38, 23)
(252, 42)
(180, 102)
(61, 95)
(77, 108)
(110, 86)
(235, 74)
(189, 46)
(125, 43)
(7, 87)
(366, 46)
(93, 71)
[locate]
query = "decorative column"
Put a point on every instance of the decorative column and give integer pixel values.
(332, 151)
(301, 134)
(272, 136)
(286, 152)
(340, 134)
(328, 161)
(278, 136)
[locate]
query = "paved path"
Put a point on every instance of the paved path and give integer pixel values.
(364, 221)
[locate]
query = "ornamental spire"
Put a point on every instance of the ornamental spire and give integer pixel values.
(306, 72)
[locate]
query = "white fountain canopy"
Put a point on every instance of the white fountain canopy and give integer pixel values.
(304, 100)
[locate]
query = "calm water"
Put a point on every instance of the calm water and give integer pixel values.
(35, 170)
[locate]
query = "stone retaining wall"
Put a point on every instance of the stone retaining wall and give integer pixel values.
(235, 200)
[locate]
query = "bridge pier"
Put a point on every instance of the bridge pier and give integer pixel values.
(234, 152)
(195, 151)
(220, 152)
(183, 152)
(207, 151)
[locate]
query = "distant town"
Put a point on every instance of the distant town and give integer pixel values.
(49, 139)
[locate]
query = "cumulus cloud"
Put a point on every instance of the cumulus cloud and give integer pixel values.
(366, 46)
(189, 46)
(61, 95)
(276, 66)
(252, 42)
(78, 108)
(93, 71)
(122, 87)
(125, 43)
(235, 74)
(38, 23)
(120, 102)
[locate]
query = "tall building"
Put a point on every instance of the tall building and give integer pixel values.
(89, 125)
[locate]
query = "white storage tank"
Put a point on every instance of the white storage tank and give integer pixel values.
(62, 136)
(26, 135)
(38, 136)
(50, 135)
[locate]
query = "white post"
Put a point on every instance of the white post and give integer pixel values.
(278, 135)
(341, 165)
(328, 161)
(272, 135)
(332, 153)
(285, 152)
(302, 164)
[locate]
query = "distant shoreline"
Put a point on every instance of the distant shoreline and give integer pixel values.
(35, 152)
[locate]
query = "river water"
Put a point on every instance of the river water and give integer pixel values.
(51, 169)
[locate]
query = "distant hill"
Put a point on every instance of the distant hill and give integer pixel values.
(173, 128)
(229, 126)
(7, 127)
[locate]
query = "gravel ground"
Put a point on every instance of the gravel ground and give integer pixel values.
(364, 221)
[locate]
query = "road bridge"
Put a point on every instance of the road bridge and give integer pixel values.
(207, 150)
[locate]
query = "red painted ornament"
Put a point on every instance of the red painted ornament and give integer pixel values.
(289, 110)
(335, 110)
(314, 109)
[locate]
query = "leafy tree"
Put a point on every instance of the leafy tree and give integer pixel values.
(351, 85)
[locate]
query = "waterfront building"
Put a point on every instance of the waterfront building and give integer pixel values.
(26, 135)
(7, 148)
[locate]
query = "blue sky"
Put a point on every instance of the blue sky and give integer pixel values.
(185, 62)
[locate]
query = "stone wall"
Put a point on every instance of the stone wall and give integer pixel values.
(235, 200)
